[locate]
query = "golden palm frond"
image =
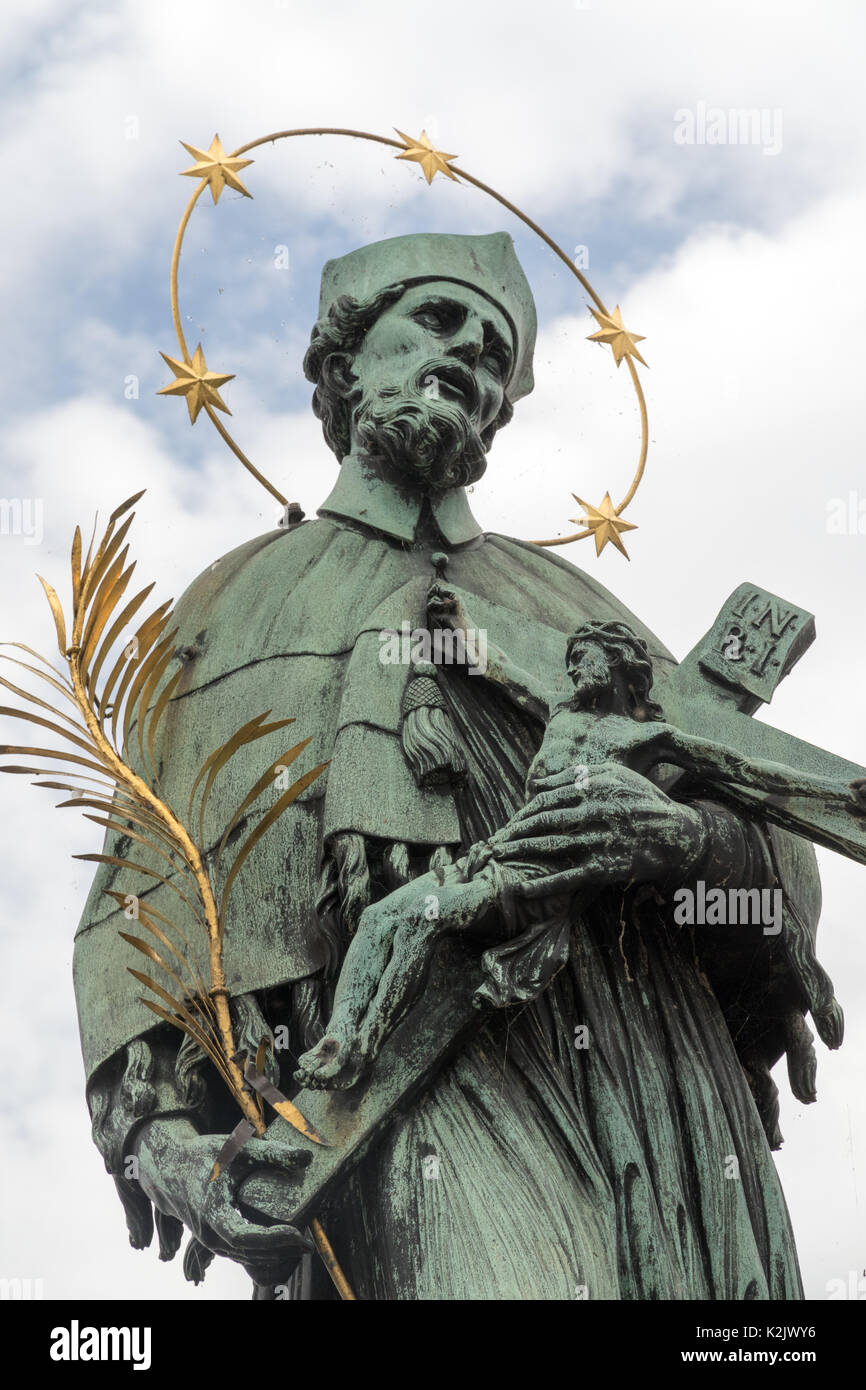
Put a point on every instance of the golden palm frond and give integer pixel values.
(130, 803)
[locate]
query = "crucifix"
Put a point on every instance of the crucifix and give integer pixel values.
(753, 644)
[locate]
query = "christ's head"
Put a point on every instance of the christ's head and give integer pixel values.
(610, 668)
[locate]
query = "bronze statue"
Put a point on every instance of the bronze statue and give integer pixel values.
(608, 1137)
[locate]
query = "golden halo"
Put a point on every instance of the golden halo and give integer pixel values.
(217, 170)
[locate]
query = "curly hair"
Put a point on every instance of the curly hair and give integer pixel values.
(628, 652)
(339, 336)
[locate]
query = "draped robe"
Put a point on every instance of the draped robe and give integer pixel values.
(533, 1166)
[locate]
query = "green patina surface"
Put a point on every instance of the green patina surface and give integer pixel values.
(601, 1169)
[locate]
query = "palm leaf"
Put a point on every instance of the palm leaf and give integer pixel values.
(60, 685)
(149, 689)
(100, 599)
(111, 592)
(127, 810)
(48, 724)
(183, 1017)
(147, 666)
(152, 954)
(75, 563)
(112, 635)
(144, 638)
(125, 506)
(266, 780)
(193, 1033)
(86, 566)
(263, 826)
(123, 830)
(67, 786)
(249, 733)
(124, 811)
(145, 916)
(103, 560)
(34, 699)
(159, 711)
(56, 613)
(140, 869)
(225, 751)
(122, 801)
(22, 647)
(148, 915)
(7, 748)
(201, 1029)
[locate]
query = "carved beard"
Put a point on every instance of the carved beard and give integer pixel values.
(426, 439)
(590, 690)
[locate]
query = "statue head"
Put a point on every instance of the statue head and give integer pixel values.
(608, 663)
(422, 345)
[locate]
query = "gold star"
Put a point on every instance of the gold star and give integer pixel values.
(194, 381)
(612, 331)
(217, 167)
(432, 161)
(604, 523)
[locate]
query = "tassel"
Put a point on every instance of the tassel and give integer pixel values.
(428, 734)
(396, 866)
(353, 877)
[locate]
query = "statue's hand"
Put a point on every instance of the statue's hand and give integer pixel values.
(444, 607)
(175, 1166)
(609, 826)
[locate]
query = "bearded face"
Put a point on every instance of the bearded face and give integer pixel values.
(422, 430)
(429, 381)
(591, 674)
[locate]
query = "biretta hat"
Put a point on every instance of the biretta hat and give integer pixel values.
(486, 264)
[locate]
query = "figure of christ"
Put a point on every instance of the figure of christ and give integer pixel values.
(608, 729)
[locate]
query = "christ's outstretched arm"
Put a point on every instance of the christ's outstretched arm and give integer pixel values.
(716, 762)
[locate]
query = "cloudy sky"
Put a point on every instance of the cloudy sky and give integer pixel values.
(740, 263)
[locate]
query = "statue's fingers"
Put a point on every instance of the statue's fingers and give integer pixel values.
(271, 1153)
(586, 827)
(556, 846)
(272, 1242)
(569, 795)
(221, 1221)
(564, 795)
(270, 1189)
(566, 778)
(477, 858)
(562, 819)
(567, 881)
(237, 1234)
(535, 803)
